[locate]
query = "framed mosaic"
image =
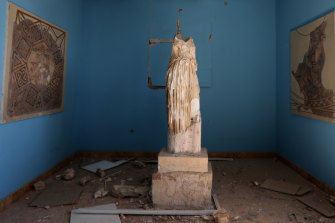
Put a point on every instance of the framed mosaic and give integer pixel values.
(34, 67)
(313, 69)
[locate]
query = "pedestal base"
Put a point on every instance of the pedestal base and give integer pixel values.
(171, 162)
(182, 190)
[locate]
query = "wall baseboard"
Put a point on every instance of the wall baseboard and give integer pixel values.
(323, 186)
(11, 198)
(242, 155)
(7, 201)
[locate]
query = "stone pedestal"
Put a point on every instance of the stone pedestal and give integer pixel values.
(171, 162)
(182, 181)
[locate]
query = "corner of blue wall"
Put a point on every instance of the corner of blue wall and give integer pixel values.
(30, 147)
(307, 142)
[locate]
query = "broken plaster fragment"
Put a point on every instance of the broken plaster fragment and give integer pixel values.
(139, 164)
(255, 183)
(40, 185)
(84, 180)
(236, 218)
(141, 202)
(221, 216)
(122, 191)
(68, 174)
(207, 218)
(100, 193)
(100, 172)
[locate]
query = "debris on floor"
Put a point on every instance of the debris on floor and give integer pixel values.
(255, 183)
(110, 175)
(139, 164)
(244, 203)
(101, 218)
(291, 216)
(122, 191)
(122, 217)
(57, 194)
(40, 185)
(68, 174)
(221, 216)
(236, 218)
(84, 180)
(304, 190)
(101, 192)
(100, 173)
(319, 204)
(285, 187)
(207, 218)
(298, 218)
(103, 165)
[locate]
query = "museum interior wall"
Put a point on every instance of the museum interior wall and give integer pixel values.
(238, 107)
(32, 146)
(108, 106)
(307, 142)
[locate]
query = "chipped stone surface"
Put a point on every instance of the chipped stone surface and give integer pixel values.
(182, 190)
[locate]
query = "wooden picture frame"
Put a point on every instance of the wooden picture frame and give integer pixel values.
(34, 66)
(313, 69)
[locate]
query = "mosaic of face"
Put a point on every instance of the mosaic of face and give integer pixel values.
(41, 66)
(35, 67)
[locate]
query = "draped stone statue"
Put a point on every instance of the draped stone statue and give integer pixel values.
(182, 98)
(184, 176)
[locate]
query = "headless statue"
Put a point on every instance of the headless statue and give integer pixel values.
(182, 98)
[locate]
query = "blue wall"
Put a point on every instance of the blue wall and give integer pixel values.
(307, 142)
(30, 147)
(107, 94)
(245, 107)
(238, 109)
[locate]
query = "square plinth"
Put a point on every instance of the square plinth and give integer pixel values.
(182, 190)
(171, 162)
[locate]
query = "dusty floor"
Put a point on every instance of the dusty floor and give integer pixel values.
(232, 182)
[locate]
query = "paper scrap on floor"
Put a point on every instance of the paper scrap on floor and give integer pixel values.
(101, 218)
(103, 165)
(318, 203)
(285, 187)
